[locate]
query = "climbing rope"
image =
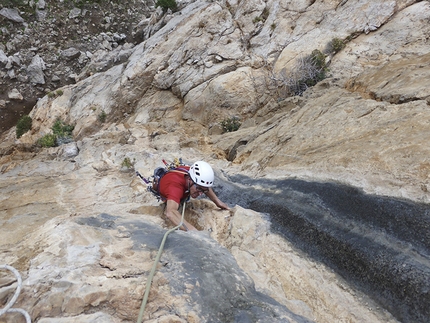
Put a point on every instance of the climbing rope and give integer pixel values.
(154, 266)
(8, 308)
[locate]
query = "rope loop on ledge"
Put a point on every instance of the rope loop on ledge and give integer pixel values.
(8, 308)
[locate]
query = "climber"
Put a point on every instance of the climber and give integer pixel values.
(189, 181)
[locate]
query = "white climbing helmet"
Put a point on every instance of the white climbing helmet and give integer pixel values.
(202, 174)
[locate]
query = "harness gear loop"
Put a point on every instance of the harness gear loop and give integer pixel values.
(154, 266)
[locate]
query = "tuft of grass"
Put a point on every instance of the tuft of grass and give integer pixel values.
(257, 19)
(202, 24)
(23, 125)
(265, 13)
(230, 124)
(52, 95)
(127, 163)
(263, 17)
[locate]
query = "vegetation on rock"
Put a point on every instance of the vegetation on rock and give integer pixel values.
(230, 124)
(55, 94)
(307, 72)
(167, 4)
(61, 134)
(335, 46)
(47, 141)
(102, 117)
(127, 163)
(62, 130)
(24, 124)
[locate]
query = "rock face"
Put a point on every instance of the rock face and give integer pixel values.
(208, 286)
(82, 229)
(65, 38)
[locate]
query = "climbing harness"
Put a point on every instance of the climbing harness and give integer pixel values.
(154, 267)
(8, 308)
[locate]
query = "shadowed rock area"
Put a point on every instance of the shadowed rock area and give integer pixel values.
(380, 244)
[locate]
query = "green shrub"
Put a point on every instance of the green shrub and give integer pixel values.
(311, 70)
(61, 134)
(230, 124)
(49, 140)
(167, 4)
(24, 124)
(306, 72)
(318, 59)
(62, 130)
(335, 45)
(102, 117)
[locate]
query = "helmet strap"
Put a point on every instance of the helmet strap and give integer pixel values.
(189, 186)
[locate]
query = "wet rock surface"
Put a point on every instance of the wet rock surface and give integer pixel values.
(379, 244)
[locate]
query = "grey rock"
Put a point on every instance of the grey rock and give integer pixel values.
(3, 57)
(15, 95)
(14, 60)
(11, 74)
(41, 4)
(35, 70)
(11, 14)
(70, 53)
(68, 151)
(74, 13)
(41, 15)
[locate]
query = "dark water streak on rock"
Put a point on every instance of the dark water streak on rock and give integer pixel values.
(380, 245)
